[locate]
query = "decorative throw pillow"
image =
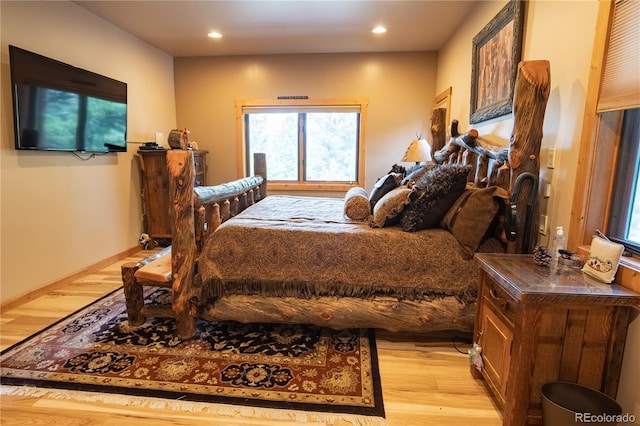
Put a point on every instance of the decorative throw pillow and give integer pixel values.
(415, 173)
(436, 191)
(604, 259)
(398, 168)
(387, 210)
(385, 184)
(472, 213)
(356, 204)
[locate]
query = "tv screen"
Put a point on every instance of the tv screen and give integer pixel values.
(59, 107)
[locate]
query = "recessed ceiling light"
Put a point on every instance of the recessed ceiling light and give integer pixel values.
(379, 30)
(214, 34)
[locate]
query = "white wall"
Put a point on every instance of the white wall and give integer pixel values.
(628, 391)
(563, 33)
(61, 214)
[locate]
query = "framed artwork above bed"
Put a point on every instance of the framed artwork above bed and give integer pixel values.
(496, 52)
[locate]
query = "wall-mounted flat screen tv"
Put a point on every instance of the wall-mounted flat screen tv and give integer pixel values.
(58, 107)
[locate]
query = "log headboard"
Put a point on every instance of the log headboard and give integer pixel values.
(506, 166)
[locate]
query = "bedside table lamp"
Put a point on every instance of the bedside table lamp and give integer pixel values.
(418, 151)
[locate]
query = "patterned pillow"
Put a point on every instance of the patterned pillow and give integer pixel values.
(604, 259)
(436, 191)
(472, 213)
(356, 204)
(385, 184)
(389, 207)
(415, 173)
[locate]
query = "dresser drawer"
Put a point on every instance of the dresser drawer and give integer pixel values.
(500, 301)
(200, 167)
(199, 164)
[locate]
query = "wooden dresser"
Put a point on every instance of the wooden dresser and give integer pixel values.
(155, 187)
(538, 325)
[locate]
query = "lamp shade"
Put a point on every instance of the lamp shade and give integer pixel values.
(419, 150)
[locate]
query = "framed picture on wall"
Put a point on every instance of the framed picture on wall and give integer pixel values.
(495, 55)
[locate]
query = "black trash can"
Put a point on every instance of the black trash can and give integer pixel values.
(565, 404)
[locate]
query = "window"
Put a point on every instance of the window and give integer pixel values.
(624, 217)
(309, 144)
(607, 169)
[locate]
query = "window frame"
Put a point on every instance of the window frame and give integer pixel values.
(624, 182)
(599, 145)
(361, 103)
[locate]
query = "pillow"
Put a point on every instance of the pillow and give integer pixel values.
(400, 169)
(604, 259)
(385, 184)
(472, 213)
(356, 204)
(415, 173)
(436, 191)
(390, 206)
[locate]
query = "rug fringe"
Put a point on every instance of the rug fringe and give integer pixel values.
(225, 410)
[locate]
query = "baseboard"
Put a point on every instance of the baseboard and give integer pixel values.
(47, 288)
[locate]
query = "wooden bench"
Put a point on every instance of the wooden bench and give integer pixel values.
(155, 271)
(210, 206)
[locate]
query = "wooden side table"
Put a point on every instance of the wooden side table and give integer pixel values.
(538, 325)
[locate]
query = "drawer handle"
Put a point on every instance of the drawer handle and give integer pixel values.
(500, 302)
(197, 164)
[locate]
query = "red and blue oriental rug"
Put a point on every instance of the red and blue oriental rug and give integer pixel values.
(271, 366)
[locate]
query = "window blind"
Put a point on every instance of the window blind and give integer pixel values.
(621, 82)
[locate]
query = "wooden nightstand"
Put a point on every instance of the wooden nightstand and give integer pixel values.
(155, 185)
(537, 325)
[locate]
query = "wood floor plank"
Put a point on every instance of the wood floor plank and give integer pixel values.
(425, 379)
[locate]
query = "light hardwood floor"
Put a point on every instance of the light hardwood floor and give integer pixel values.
(425, 381)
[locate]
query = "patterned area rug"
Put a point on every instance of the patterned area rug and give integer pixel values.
(293, 367)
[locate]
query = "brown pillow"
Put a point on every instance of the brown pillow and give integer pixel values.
(470, 216)
(387, 210)
(436, 191)
(356, 204)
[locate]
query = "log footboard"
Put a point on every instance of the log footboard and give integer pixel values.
(195, 213)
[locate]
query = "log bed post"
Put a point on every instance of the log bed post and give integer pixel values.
(530, 97)
(183, 245)
(438, 129)
(188, 229)
(260, 169)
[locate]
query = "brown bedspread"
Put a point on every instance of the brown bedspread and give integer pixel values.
(304, 247)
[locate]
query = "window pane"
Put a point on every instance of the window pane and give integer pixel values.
(624, 215)
(332, 146)
(277, 136)
(634, 225)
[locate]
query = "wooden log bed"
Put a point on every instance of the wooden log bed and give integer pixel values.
(198, 214)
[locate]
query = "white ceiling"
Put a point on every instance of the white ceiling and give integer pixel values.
(252, 27)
